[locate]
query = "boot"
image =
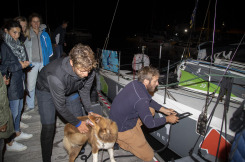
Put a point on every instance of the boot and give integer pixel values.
(47, 137)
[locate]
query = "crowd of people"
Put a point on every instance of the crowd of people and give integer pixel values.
(26, 48)
(62, 85)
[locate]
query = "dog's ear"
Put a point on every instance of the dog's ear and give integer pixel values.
(97, 119)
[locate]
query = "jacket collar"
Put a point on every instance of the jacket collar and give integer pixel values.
(67, 66)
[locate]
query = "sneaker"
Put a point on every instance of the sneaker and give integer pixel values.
(23, 136)
(26, 116)
(23, 125)
(28, 110)
(16, 147)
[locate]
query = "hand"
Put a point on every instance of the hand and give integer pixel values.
(89, 122)
(172, 119)
(6, 81)
(3, 128)
(24, 64)
(167, 111)
(83, 127)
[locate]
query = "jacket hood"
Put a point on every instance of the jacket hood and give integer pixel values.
(42, 27)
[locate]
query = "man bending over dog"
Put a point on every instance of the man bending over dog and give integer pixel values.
(134, 105)
(59, 86)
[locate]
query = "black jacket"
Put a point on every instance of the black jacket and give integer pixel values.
(59, 79)
(11, 62)
(60, 33)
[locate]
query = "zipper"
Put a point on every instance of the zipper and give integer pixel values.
(39, 48)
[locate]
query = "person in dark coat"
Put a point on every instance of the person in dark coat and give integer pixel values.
(13, 62)
(58, 38)
(61, 86)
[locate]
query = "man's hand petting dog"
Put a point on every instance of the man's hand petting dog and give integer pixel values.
(83, 127)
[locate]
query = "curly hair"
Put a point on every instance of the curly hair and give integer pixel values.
(147, 73)
(82, 57)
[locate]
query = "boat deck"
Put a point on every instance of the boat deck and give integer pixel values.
(33, 152)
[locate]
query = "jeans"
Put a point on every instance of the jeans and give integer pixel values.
(59, 51)
(47, 109)
(47, 113)
(16, 107)
(31, 83)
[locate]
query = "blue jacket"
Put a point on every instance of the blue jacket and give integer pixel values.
(47, 49)
(46, 45)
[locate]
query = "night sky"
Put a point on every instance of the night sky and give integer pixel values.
(132, 16)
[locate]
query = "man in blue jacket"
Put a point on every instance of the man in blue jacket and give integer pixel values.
(134, 106)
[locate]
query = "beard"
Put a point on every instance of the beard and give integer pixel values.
(150, 88)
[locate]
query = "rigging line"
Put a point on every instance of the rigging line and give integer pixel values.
(214, 32)
(204, 22)
(107, 38)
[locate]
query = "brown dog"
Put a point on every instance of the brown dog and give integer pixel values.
(102, 135)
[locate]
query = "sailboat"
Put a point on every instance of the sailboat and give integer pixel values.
(200, 96)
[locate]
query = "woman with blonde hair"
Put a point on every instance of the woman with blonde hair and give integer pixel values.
(24, 27)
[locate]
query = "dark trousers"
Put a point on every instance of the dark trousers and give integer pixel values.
(47, 113)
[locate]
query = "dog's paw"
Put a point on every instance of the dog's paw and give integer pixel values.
(113, 160)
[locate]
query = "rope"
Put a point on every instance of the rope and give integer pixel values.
(213, 32)
(204, 22)
(107, 39)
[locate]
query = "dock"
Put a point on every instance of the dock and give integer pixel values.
(33, 151)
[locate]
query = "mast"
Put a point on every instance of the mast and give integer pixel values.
(18, 7)
(73, 15)
(46, 11)
(108, 35)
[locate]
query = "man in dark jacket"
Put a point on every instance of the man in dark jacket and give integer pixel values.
(58, 38)
(58, 85)
(134, 106)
